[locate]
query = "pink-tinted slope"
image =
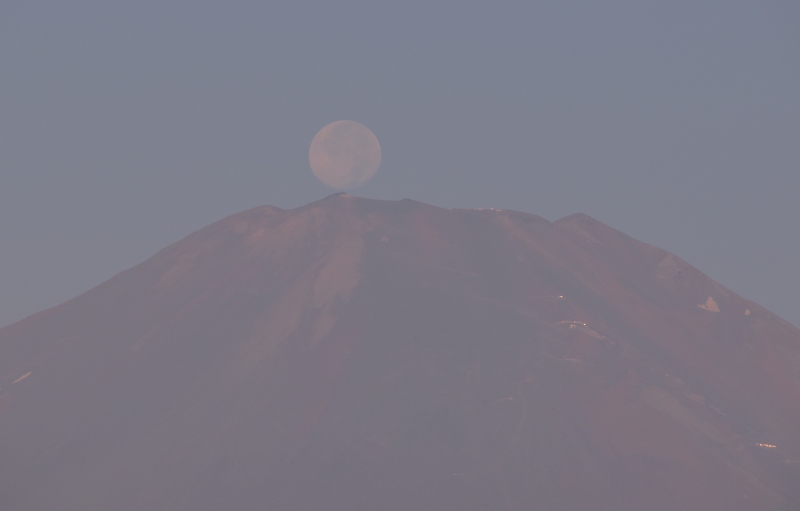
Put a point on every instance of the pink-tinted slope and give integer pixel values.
(360, 354)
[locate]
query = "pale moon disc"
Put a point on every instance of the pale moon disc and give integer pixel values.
(344, 155)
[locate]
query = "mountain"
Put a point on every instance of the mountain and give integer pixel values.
(364, 354)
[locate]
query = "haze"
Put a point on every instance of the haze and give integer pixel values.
(124, 127)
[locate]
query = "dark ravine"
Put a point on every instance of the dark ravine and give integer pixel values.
(363, 354)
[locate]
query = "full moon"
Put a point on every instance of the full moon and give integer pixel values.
(344, 155)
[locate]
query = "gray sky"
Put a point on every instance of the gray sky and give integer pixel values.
(124, 126)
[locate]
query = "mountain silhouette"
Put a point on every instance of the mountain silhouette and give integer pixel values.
(365, 354)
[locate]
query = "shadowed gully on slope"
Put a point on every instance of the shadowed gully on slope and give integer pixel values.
(361, 354)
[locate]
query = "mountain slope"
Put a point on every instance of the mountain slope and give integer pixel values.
(393, 355)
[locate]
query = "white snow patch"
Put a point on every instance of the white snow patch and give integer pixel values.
(710, 305)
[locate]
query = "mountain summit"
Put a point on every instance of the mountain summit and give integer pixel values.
(364, 354)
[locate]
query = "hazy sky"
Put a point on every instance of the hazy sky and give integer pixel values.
(125, 126)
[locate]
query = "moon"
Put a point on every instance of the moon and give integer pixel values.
(344, 155)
